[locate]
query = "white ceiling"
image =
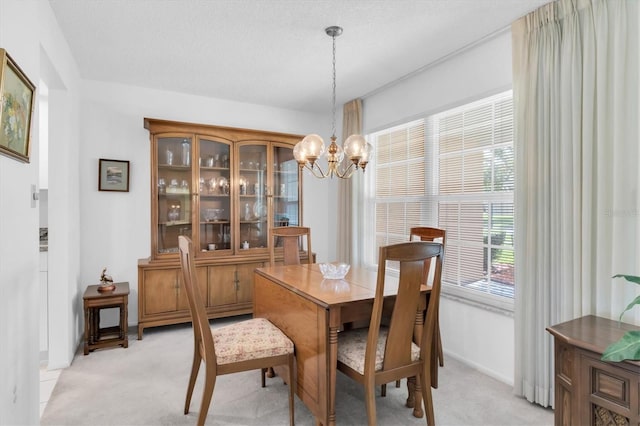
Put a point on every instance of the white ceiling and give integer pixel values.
(272, 52)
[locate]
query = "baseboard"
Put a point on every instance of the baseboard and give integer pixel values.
(507, 380)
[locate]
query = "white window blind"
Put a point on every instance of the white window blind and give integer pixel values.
(400, 183)
(474, 149)
(453, 170)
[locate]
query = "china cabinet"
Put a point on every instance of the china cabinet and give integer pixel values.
(223, 187)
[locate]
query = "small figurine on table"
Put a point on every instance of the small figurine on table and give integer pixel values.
(106, 282)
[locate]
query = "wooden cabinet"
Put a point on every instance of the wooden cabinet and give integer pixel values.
(589, 391)
(223, 187)
(232, 285)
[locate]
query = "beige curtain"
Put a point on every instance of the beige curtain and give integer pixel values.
(575, 90)
(351, 124)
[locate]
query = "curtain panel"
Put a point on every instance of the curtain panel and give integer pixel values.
(575, 85)
(351, 125)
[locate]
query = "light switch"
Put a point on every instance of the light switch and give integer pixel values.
(35, 196)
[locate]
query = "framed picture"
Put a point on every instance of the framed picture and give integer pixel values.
(16, 109)
(113, 175)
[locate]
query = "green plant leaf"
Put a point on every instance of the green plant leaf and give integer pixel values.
(635, 302)
(628, 347)
(630, 278)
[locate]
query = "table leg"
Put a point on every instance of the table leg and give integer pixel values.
(121, 327)
(333, 362)
(96, 325)
(414, 397)
(86, 330)
(417, 409)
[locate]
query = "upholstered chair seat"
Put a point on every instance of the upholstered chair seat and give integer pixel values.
(352, 346)
(251, 339)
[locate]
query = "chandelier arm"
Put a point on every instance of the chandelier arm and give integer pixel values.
(312, 168)
(346, 173)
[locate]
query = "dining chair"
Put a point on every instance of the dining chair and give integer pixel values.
(289, 237)
(381, 354)
(247, 345)
(426, 233)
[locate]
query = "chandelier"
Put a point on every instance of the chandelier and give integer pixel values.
(311, 148)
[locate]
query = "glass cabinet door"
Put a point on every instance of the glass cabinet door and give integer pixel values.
(214, 194)
(174, 191)
(285, 187)
(252, 190)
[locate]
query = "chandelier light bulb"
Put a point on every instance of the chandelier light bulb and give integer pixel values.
(366, 155)
(299, 153)
(354, 147)
(313, 146)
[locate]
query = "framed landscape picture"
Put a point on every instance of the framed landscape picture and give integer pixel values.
(16, 109)
(113, 175)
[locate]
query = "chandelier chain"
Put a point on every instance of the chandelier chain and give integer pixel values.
(333, 99)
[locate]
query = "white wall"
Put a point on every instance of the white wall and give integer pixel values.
(480, 337)
(27, 31)
(115, 225)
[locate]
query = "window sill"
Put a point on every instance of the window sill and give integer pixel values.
(499, 305)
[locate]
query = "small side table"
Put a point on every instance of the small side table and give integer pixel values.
(96, 337)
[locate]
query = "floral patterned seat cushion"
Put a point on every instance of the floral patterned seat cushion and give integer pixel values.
(353, 343)
(251, 339)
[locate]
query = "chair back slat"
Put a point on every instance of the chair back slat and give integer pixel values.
(426, 233)
(398, 349)
(431, 319)
(290, 237)
(201, 330)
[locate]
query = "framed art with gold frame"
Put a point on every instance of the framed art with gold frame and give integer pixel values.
(17, 95)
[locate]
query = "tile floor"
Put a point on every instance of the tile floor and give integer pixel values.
(48, 379)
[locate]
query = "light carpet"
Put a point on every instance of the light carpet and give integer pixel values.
(146, 384)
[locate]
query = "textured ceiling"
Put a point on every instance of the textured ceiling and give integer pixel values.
(272, 52)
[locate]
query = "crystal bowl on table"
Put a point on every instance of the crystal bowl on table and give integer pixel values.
(334, 271)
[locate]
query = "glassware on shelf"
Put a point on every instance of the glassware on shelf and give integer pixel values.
(162, 186)
(174, 212)
(243, 185)
(168, 157)
(212, 185)
(247, 212)
(223, 185)
(186, 153)
(212, 215)
(225, 161)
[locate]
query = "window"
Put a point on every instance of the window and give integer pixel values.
(453, 170)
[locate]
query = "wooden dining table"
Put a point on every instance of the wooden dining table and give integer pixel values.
(311, 311)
